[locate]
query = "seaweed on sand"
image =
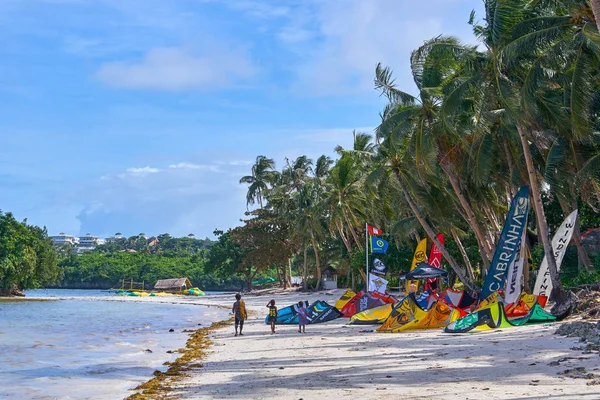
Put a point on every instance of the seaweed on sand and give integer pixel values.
(195, 349)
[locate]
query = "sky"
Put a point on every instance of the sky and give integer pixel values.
(139, 116)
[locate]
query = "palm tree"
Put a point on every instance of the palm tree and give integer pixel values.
(345, 200)
(396, 156)
(258, 182)
(419, 118)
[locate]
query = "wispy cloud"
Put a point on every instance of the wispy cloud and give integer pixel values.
(341, 41)
(179, 68)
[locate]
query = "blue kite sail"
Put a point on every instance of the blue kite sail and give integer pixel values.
(508, 244)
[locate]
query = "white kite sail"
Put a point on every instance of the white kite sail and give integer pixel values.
(560, 241)
(512, 289)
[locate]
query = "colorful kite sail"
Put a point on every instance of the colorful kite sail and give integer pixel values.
(372, 316)
(435, 260)
(515, 272)
(419, 257)
(317, 312)
(509, 243)
(407, 315)
(492, 316)
(346, 297)
(364, 301)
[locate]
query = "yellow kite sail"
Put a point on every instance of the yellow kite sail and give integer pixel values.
(373, 316)
(346, 297)
(420, 256)
(407, 315)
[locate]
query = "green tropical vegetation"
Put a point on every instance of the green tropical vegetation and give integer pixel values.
(521, 108)
(142, 260)
(27, 258)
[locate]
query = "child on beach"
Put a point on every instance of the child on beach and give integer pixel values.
(239, 310)
(302, 320)
(272, 315)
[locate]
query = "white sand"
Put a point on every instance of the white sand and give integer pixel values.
(335, 361)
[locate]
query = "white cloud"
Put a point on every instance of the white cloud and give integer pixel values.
(341, 41)
(180, 68)
(180, 198)
(143, 171)
(186, 165)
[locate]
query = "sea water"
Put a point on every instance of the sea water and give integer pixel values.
(89, 349)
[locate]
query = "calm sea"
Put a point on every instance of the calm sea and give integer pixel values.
(89, 349)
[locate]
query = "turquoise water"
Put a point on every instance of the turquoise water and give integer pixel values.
(89, 349)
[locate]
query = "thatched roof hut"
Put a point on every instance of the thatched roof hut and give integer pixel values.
(173, 284)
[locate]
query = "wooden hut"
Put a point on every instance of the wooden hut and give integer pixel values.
(173, 285)
(329, 278)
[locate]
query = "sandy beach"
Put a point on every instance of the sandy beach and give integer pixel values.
(334, 360)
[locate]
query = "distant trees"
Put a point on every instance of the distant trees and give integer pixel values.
(27, 258)
(143, 260)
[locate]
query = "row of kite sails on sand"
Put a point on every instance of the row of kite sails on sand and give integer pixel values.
(500, 304)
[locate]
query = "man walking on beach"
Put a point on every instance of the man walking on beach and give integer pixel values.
(239, 310)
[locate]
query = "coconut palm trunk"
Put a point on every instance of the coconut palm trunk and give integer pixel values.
(318, 265)
(413, 206)
(482, 243)
(463, 253)
(352, 232)
(558, 292)
(305, 272)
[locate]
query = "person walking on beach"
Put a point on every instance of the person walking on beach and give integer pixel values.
(239, 310)
(272, 315)
(302, 319)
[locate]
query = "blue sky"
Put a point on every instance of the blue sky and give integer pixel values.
(142, 115)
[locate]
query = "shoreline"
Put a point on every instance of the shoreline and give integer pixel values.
(160, 343)
(191, 360)
(340, 361)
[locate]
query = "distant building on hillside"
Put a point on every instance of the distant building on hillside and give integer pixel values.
(117, 236)
(88, 243)
(61, 239)
(191, 236)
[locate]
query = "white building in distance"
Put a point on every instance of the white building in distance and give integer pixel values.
(61, 239)
(89, 242)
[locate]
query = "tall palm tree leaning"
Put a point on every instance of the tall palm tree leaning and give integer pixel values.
(514, 29)
(258, 182)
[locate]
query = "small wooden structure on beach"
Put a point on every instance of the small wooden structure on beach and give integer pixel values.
(329, 278)
(177, 285)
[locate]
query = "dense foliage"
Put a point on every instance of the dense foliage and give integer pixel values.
(519, 109)
(27, 259)
(143, 260)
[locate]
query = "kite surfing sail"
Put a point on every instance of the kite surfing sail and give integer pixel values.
(435, 260)
(543, 283)
(317, 312)
(508, 244)
(407, 315)
(346, 297)
(492, 316)
(419, 257)
(457, 298)
(372, 316)
(364, 301)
